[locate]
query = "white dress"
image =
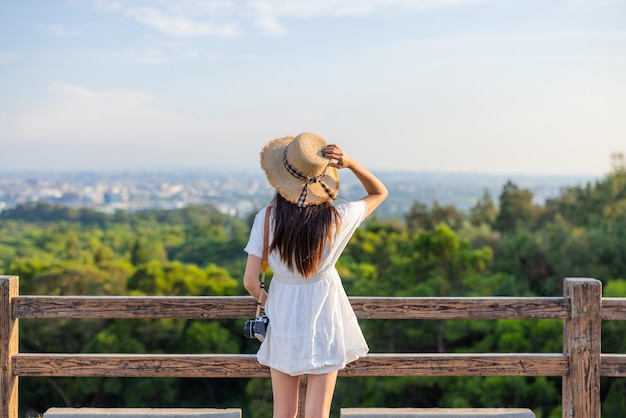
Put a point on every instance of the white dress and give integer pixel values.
(312, 329)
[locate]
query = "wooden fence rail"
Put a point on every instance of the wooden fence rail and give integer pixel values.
(581, 364)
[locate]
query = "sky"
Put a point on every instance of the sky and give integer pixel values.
(483, 86)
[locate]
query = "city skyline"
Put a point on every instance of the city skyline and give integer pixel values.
(241, 193)
(482, 86)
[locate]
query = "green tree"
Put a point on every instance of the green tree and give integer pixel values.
(516, 209)
(484, 211)
(205, 244)
(369, 255)
(447, 215)
(178, 279)
(420, 217)
(430, 263)
(145, 250)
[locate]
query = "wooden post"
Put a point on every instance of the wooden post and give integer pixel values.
(581, 344)
(8, 347)
(301, 396)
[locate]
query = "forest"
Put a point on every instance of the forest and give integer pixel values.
(505, 245)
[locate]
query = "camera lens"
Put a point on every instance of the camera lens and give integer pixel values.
(248, 329)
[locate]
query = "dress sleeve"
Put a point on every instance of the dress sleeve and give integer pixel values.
(255, 242)
(352, 215)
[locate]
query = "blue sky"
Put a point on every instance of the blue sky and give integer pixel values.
(500, 86)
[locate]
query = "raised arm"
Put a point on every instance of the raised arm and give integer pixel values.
(376, 190)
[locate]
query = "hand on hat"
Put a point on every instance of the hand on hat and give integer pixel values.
(338, 158)
(376, 190)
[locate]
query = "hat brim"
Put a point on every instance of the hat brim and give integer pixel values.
(286, 184)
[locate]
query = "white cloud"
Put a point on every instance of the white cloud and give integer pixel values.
(184, 18)
(268, 13)
(267, 20)
(80, 128)
(223, 18)
(3, 117)
(180, 25)
(158, 55)
(321, 8)
(76, 115)
(59, 31)
(108, 5)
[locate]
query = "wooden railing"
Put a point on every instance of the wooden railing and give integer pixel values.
(581, 364)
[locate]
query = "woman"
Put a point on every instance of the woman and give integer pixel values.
(313, 330)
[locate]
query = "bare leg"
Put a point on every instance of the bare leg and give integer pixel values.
(319, 394)
(285, 391)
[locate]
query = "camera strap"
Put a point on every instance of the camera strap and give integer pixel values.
(266, 229)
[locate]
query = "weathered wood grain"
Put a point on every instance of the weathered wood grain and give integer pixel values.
(8, 347)
(614, 309)
(246, 365)
(224, 307)
(109, 307)
(581, 344)
(613, 365)
(139, 365)
(458, 365)
(460, 308)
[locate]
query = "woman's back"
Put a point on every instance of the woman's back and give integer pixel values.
(351, 214)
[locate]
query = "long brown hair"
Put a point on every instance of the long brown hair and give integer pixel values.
(301, 234)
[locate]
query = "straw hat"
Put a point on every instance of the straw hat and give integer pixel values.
(298, 171)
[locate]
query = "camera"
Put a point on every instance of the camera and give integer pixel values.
(255, 328)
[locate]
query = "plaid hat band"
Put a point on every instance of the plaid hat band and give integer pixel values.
(308, 180)
(299, 171)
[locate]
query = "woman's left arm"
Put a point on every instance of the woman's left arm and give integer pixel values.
(251, 279)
